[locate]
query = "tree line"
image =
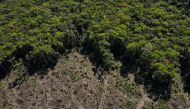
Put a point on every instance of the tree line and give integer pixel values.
(151, 37)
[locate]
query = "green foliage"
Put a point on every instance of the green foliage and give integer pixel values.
(151, 36)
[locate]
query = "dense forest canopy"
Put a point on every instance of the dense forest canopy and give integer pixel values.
(149, 36)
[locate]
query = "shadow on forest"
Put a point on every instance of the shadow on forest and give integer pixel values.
(5, 68)
(186, 80)
(185, 71)
(40, 67)
(38, 64)
(157, 90)
(186, 83)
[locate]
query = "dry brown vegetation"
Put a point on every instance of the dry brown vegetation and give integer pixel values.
(74, 84)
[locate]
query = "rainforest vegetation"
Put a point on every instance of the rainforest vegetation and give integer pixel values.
(150, 38)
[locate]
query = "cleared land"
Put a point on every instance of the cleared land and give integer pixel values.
(75, 83)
